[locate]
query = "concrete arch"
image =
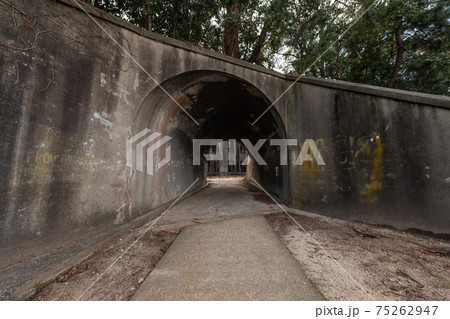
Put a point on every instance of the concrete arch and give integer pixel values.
(224, 106)
(66, 121)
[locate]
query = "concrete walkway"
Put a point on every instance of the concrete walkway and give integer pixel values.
(237, 259)
(223, 198)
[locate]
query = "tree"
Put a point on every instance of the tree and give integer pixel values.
(149, 14)
(231, 28)
(398, 43)
(272, 21)
(311, 27)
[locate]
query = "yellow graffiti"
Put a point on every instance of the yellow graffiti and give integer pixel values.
(61, 159)
(47, 163)
(354, 146)
(364, 153)
(309, 176)
(371, 191)
(59, 140)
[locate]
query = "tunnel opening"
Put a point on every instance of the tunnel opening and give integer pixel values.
(233, 162)
(224, 106)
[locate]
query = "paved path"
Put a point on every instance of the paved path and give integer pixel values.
(237, 259)
(250, 243)
(223, 198)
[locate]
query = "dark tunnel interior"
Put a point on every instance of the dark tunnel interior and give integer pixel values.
(224, 107)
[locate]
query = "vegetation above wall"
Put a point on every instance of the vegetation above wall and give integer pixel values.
(398, 43)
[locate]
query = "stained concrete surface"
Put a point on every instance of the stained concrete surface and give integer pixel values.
(66, 117)
(16, 275)
(237, 259)
(20, 279)
(224, 197)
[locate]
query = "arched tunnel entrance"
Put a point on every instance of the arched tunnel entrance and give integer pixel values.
(224, 108)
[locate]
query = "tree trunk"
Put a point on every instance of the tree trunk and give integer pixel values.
(175, 18)
(259, 44)
(231, 30)
(300, 65)
(268, 22)
(149, 15)
(399, 57)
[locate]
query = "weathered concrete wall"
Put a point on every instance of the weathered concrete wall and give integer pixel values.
(386, 156)
(71, 97)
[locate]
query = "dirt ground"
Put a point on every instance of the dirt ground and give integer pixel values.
(122, 280)
(389, 264)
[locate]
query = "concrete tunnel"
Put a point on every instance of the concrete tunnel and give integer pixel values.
(224, 107)
(66, 117)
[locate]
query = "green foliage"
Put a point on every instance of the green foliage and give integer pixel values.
(295, 33)
(367, 52)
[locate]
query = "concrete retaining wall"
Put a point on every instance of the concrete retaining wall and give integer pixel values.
(71, 97)
(386, 158)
